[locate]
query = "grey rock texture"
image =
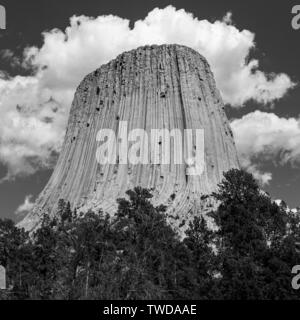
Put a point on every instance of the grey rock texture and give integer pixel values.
(167, 86)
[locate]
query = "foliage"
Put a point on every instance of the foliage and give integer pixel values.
(137, 254)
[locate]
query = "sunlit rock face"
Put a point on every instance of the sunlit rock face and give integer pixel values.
(152, 87)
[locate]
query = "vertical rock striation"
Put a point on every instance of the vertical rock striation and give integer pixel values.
(152, 87)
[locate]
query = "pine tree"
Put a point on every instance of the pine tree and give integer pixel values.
(252, 241)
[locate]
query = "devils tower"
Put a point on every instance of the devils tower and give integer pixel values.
(152, 87)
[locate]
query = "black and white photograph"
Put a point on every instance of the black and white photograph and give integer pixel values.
(149, 151)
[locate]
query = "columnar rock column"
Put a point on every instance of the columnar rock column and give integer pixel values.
(152, 87)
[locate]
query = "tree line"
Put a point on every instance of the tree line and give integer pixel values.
(249, 254)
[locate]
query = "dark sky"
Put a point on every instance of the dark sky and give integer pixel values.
(277, 46)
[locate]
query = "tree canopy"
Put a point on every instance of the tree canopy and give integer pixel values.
(138, 255)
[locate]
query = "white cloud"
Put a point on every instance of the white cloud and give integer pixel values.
(265, 136)
(26, 206)
(90, 42)
(32, 125)
(27, 138)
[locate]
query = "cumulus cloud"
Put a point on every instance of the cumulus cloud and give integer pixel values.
(26, 206)
(32, 125)
(31, 131)
(8, 55)
(89, 42)
(262, 136)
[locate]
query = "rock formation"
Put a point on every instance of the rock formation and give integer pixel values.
(152, 87)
